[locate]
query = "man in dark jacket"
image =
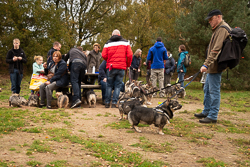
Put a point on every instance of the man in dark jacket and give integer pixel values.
(169, 69)
(56, 47)
(77, 66)
(15, 58)
(157, 54)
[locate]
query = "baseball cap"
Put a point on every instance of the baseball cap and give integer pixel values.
(212, 13)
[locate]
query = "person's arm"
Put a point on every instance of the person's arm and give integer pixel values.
(66, 57)
(172, 64)
(35, 68)
(129, 54)
(105, 52)
(102, 70)
(165, 54)
(139, 67)
(23, 59)
(9, 58)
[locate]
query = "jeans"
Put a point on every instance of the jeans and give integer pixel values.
(181, 78)
(158, 73)
(212, 95)
(104, 87)
(46, 92)
(77, 72)
(16, 79)
(114, 80)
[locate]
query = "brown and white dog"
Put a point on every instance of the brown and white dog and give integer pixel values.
(159, 117)
(89, 97)
(62, 100)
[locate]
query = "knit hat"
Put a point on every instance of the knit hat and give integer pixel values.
(97, 44)
(213, 13)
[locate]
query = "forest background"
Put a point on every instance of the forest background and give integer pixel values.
(38, 23)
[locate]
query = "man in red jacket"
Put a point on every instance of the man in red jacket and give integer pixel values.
(118, 54)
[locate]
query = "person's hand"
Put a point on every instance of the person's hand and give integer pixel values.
(105, 80)
(203, 69)
(14, 58)
(139, 70)
(181, 70)
(144, 63)
(45, 65)
(47, 82)
(19, 58)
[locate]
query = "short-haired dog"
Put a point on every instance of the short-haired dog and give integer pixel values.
(62, 100)
(159, 117)
(125, 106)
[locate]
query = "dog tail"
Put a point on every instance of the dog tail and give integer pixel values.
(129, 118)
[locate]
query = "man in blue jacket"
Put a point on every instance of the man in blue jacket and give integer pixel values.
(157, 54)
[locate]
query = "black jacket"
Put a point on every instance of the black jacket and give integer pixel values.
(19, 63)
(50, 54)
(169, 65)
(61, 74)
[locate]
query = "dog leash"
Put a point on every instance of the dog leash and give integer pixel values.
(194, 76)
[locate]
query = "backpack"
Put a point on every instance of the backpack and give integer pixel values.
(232, 48)
(187, 60)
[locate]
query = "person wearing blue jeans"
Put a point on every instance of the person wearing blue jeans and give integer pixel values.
(114, 80)
(210, 66)
(16, 79)
(15, 58)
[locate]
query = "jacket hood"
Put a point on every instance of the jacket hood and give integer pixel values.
(159, 44)
(116, 38)
(185, 52)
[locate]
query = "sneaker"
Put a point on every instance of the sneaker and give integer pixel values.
(107, 105)
(76, 103)
(49, 107)
(114, 106)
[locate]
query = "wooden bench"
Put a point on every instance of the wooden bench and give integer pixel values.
(83, 86)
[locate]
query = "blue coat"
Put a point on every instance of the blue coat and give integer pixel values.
(61, 74)
(180, 62)
(169, 65)
(102, 71)
(157, 54)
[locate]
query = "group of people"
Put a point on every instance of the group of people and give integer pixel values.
(118, 57)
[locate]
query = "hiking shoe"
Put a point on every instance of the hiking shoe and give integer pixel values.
(207, 120)
(114, 106)
(49, 107)
(107, 105)
(76, 103)
(200, 115)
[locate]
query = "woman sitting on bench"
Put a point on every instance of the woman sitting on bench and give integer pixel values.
(60, 79)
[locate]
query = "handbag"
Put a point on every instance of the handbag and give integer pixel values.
(50, 75)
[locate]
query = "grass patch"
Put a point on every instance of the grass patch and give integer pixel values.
(11, 120)
(81, 131)
(33, 130)
(123, 124)
(147, 146)
(59, 163)
(33, 163)
(244, 146)
(211, 162)
(98, 115)
(40, 146)
(12, 149)
(67, 123)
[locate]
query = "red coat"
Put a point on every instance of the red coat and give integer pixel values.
(117, 52)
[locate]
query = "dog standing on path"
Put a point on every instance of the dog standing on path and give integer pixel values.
(62, 100)
(159, 117)
(89, 97)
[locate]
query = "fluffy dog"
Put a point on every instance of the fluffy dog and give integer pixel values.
(62, 100)
(125, 106)
(33, 100)
(159, 117)
(182, 93)
(15, 100)
(89, 97)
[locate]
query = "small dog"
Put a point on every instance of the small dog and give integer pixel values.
(89, 97)
(33, 100)
(15, 100)
(62, 100)
(159, 117)
(125, 106)
(182, 93)
(170, 90)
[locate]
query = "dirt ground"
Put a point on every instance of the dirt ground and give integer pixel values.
(185, 154)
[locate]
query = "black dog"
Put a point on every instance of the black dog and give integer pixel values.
(125, 105)
(159, 117)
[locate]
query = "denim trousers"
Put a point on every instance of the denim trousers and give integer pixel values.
(77, 72)
(114, 80)
(104, 87)
(181, 78)
(16, 79)
(212, 95)
(46, 92)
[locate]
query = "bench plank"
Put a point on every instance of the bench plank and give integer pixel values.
(87, 86)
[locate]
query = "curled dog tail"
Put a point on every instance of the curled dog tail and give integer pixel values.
(129, 118)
